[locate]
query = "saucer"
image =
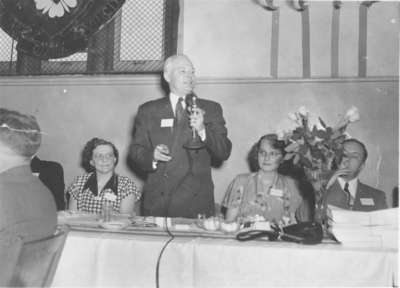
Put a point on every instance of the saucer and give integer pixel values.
(114, 225)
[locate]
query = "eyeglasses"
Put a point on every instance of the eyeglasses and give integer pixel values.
(272, 154)
(356, 156)
(107, 156)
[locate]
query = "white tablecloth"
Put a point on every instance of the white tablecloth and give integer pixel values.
(113, 259)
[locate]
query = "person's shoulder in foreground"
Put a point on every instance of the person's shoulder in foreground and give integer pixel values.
(27, 207)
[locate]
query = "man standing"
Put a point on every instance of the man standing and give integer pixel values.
(27, 207)
(347, 191)
(179, 182)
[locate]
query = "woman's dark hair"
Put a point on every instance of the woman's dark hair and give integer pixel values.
(87, 153)
(253, 154)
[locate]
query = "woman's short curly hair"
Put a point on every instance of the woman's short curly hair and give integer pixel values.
(87, 153)
(273, 141)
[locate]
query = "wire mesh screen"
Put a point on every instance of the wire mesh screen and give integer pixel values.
(137, 40)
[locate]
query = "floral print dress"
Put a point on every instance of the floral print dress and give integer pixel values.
(276, 202)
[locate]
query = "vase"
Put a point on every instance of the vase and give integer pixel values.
(319, 179)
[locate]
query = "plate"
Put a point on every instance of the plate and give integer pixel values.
(114, 225)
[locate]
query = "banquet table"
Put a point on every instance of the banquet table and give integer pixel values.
(94, 256)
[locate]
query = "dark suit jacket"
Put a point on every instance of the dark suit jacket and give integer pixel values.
(337, 197)
(52, 175)
(173, 189)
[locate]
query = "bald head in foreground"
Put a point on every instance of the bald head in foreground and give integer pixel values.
(27, 207)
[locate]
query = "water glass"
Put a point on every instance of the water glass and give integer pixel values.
(106, 211)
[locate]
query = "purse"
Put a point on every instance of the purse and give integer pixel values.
(303, 232)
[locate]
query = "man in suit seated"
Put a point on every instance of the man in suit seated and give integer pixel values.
(27, 207)
(347, 191)
(179, 182)
(52, 175)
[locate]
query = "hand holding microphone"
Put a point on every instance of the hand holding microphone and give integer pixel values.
(196, 118)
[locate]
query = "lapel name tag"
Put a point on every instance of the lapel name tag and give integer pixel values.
(35, 174)
(276, 192)
(167, 122)
(367, 201)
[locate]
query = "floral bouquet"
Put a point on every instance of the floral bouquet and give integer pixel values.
(317, 148)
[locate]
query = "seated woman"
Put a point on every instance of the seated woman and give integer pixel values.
(101, 183)
(265, 193)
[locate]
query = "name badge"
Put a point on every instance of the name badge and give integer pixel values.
(276, 192)
(167, 122)
(367, 201)
(35, 174)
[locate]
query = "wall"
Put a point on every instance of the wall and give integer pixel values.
(233, 38)
(71, 110)
(229, 42)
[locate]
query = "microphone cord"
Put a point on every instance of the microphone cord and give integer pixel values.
(172, 237)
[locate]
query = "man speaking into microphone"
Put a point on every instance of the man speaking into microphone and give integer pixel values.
(179, 182)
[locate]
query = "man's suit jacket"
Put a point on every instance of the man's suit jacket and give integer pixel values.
(367, 198)
(52, 175)
(176, 188)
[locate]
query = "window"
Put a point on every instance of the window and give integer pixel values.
(138, 39)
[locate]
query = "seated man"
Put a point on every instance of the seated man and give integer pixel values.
(27, 207)
(347, 191)
(52, 175)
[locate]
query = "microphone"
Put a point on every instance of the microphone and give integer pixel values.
(194, 142)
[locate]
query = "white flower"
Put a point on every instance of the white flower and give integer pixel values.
(55, 8)
(281, 134)
(292, 116)
(352, 115)
(303, 111)
(110, 196)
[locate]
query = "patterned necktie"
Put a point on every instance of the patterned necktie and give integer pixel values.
(350, 200)
(179, 111)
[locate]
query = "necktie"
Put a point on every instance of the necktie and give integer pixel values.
(179, 111)
(350, 200)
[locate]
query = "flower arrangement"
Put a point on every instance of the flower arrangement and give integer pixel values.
(317, 148)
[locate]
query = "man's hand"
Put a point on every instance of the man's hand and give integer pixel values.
(197, 119)
(338, 173)
(161, 153)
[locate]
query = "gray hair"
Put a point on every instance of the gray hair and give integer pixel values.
(20, 132)
(170, 61)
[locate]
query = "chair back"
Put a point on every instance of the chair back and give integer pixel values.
(10, 248)
(38, 260)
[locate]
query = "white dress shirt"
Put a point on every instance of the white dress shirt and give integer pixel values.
(352, 185)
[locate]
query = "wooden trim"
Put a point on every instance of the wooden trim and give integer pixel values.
(362, 41)
(150, 80)
(275, 43)
(335, 42)
(305, 24)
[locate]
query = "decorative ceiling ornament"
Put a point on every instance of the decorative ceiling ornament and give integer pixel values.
(43, 31)
(337, 4)
(55, 8)
(298, 5)
(267, 4)
(368, 3)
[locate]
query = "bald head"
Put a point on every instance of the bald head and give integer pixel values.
(179, 73)
(19, 132)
